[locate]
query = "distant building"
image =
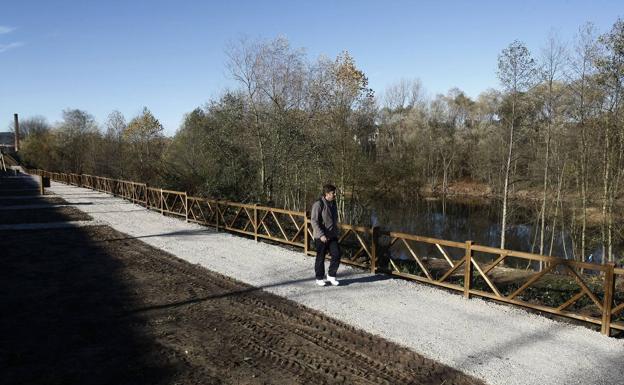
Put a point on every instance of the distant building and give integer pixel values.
(7, 142)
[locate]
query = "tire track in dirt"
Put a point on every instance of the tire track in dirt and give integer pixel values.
(135, 314)
(267, 318)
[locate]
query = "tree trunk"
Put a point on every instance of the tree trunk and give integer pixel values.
(545, 185)
(605, 193)
(584, 186)
(557, 203)
(507, 171)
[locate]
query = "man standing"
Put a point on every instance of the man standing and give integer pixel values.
(324, 218)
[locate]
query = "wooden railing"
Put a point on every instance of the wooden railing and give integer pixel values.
(512, 277)
(237, 217)
(588, 292)
(173, 202)
(283, 226)
(134, 192)
(74, 179)
(202, 211)
(154, 199)
(356, 244)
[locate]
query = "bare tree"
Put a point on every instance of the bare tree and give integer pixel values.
(516, 70)
(32, 126)
(611, 79)
(113, 153)
(580, 74)
(551, 67)
(344, 96)
(274, 78)
(74, 137)
(404, 94)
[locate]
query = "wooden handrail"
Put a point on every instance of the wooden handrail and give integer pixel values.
(433, 241)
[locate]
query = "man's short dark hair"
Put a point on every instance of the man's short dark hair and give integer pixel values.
(328, 188)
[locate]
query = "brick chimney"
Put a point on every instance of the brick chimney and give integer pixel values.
(16, 132)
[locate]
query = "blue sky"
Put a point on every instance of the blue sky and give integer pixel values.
(170, 55)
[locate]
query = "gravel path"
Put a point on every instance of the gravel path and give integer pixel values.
(499, 344)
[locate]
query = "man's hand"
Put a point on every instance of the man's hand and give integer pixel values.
(323, 239)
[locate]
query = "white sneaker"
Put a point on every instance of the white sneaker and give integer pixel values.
(333, 281)
(320, 282)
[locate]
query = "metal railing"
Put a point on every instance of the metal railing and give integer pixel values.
(593, 293)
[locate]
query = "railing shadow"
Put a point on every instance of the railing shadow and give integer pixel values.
(364, 280)
(253, 289)
(503, 348)
(205, 231)
(117, 211)
(234, 293)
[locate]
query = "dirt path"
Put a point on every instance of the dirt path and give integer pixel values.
(93, 306)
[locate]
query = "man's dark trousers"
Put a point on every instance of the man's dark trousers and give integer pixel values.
(322, 248)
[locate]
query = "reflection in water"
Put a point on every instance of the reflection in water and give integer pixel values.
(476, 221)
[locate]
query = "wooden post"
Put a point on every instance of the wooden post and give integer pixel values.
(146, 196)
(256, 222)
(41, 188)
(217, 212)
(306, 239)
(609, 288)
(162, 203)
(468, 269)
(186, 205)
(374, 240)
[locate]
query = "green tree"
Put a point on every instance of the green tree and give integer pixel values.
(208, 155)
(145, 146)
(74, 135)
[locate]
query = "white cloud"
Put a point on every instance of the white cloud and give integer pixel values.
(6, 47)
(5, 29)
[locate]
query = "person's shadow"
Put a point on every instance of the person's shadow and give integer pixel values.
(365, 279)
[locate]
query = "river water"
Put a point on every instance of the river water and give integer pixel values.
(479, 221)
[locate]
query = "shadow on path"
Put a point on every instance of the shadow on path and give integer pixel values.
(60, 294)
(365, 279)
(252, 289)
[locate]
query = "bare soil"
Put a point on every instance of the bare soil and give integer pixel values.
(92, 306)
